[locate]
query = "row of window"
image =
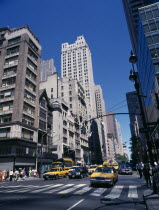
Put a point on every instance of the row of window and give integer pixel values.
(146, 15)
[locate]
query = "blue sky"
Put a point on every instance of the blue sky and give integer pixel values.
(103, 24)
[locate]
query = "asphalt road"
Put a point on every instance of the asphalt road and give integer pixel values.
(76, 194)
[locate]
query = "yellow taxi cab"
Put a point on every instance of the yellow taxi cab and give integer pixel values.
(104, 175)
(92, 169)
(115, 165)
(55, 173)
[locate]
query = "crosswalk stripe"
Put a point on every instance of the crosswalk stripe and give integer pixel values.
(35, 190)
(71, 189)
(132, 192)
(25, 188)
(98, 192)
(60, 188)
(115, 193)
(84, 190)
(42, 189)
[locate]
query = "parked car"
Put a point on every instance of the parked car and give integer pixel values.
(104, 175)
(55, 173)
(92, 169)
(125, 170)
(77, 172)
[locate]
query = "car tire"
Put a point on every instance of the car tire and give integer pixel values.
(113, 183)
(56, 177)
(70, 177)
(45, 179)
(81, 176)
(91, 185)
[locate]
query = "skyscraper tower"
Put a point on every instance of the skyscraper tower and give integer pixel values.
(76, 62)
(46, 68)
(19, 101)
(131, 12)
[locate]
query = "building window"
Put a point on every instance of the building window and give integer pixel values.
(64, 123)
(70, 106)
(149, 15)
(70, 98)
(14, 40)
(27, 134)
(4, 132)
(28, 120)
(64, 131)
(51, 96)
(5, 118)
(42, 114)
(51, 89)
(33, 46)
(70, 92)
(13, 50)
(62, 94)
(61, 87)
(42, 125)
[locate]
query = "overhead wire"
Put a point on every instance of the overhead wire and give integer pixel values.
(119, 107)
(115, 105)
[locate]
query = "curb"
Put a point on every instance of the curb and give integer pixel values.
(151, 200)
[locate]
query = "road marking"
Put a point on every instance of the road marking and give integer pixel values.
(60, 188)
(132, 192)
(25, 188)
(115, 193)
(72, 189)
(80, 192)
(41, 189)
(75, 204)
(98, 192)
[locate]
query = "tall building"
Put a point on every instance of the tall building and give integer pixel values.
(119, 137)
(131, 12)
(19, 97)
(133, 107)
(70, 110)
(111, 149)
(148, 58)
(46, 68)
(115, 131)
(100, 104)
(100, 107)
(76, 62)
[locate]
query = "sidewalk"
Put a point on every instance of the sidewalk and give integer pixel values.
(151, 200)
(21, 180)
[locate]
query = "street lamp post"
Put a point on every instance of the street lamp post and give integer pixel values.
(134, 77)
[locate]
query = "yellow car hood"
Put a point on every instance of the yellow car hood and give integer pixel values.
(106, 175)
(52, 172)
(91, 169)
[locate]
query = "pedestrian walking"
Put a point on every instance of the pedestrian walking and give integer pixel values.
(11, 175)
(16, 175)
(7, 175)
(139, 168)
(1, 175)
(147, 174)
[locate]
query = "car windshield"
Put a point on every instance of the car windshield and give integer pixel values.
(104, 170)
(93, 167)
(54, 169)
(75, 168)
(57, 164)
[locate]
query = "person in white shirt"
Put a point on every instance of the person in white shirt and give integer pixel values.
(11, 175)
